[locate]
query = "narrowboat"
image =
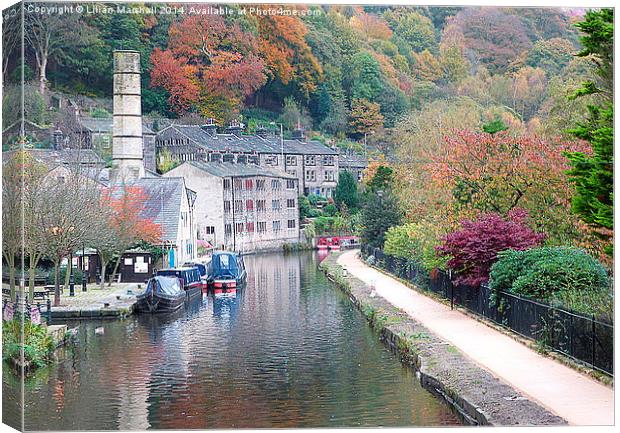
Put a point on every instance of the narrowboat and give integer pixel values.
(202, 269)
(162, 295)
(189, 276)
(226, 271)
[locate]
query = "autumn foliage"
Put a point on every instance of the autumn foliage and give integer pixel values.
(474, 247)
(127, 205)
(207, 57)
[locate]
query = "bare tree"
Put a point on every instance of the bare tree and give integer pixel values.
(12, 224)
(50, 36)
(11, 36)
(68, 215)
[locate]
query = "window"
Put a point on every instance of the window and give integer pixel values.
(310, 159)
(239, 227)
(291, 160)
(310, 175)
(210, 229)
(275, 204)
(260, 205)
(262, 227)
(226, 183)
(249, 227)
(291, 224)
(238, 205)
(290, 203)
(238, 184)
(275, 184)
(292, 172)
(242, 159)
(227, 206)
(328, 160)
(253, 159)
(329, 175)
(227, 229)
(260, 184)
(229, 157)
(216, 157)
(249, 205)
(271, 160)
(290, 184)
(276, 226)
(249, 184)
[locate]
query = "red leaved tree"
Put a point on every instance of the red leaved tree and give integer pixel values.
(207, 61)
(124, 206)
(474, 248)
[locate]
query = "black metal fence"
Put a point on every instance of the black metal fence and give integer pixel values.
(580, 337)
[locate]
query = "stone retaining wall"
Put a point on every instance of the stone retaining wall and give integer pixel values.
(474, 393)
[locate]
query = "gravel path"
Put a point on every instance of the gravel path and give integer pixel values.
(569, 394)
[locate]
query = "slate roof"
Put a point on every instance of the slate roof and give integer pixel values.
(53, 158)
(246, 143)
(228, 169)
(162, 203)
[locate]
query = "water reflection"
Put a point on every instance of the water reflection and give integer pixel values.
(288, 350)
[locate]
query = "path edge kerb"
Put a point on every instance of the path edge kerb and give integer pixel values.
(473, 392)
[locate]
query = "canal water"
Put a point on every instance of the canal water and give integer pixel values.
(289, 350)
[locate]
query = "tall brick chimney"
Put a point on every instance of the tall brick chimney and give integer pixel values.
(127, 141)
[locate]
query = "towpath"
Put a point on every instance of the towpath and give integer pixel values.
(578, 399)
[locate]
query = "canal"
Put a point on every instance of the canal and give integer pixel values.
(290, 350)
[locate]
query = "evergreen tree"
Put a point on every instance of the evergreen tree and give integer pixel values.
(592, 174)
(494, 127)
(346, 191)
(380, 212)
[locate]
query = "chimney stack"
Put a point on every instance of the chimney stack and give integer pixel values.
(127, 141)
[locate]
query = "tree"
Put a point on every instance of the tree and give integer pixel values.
(286, 53)
(371, 26)
(494, 126)
(363, 77)
(427, 67)
(66, 217)
(11, 37)
(127, 204)
(382, 179)
(380, 212)
(500, 172)
(366, 117)
(493, 35)
(475, 246)
(209, 63)
(592, 175)
(550, 55)
(49, 36)
(12, 221)
(416, 29)
(346, 191)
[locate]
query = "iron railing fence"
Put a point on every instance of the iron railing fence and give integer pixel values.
(583, 338)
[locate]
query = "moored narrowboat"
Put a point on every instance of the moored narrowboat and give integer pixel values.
(226, 271)
(162, 295)
(189, 276)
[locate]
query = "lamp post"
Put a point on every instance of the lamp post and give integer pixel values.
(83, 268)
(71, 276)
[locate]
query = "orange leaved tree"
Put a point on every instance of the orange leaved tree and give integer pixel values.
(124, 207)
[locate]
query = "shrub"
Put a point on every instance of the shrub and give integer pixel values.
(330, 210)
(415, 241)
(549, 272)
(38, 345)
(474, 248)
